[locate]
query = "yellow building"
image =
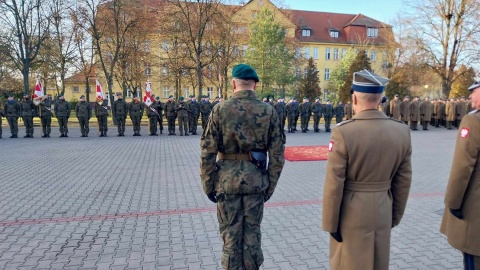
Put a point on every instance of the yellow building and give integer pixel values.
(323, 36)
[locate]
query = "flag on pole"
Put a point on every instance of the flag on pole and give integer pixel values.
(147, 98)
(38, 89)
(99, 93)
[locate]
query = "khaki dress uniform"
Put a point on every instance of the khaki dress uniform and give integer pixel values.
(414, 114)
(463, 191)
(450, 113)
(405, 111)
(395, 109)
(425, 114)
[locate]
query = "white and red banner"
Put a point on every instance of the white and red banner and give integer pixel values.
(99, 92)
(147, 98)
(39, 92)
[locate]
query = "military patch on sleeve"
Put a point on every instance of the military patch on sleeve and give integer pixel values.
(330, 146)
(464, 132)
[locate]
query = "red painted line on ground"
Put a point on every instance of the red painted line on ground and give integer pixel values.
(9, 223)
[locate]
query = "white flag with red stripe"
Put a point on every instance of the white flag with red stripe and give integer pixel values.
(147, 98)
(99, 91)
(38, 90)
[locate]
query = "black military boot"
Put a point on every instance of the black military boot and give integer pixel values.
(44, 135)
(101, 134)
(48, 135)
(186, 134)
(61, 135)
(105, 134)
(86, 134)
(119, 134)
(83, 135)
(66, 136)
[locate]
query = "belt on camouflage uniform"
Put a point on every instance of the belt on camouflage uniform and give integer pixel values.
(223, 156)
(368, 186)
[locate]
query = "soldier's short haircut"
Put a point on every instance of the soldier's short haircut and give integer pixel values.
(369, 98)
(245, 83)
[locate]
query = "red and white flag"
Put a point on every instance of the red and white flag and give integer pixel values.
(38, 90)
(99, 91)
(147, 98)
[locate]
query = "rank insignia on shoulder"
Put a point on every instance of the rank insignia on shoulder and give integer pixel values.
(464, 132)
(330, 146)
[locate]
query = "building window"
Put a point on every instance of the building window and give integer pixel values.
(235, 50)
(244, 49)
(165, 45)
(315, 53)
(129, 94)
(325, 94)
(298, 72)
(344, 53)
(148, 70)
(254, 14)
(335, 54)
(166, 92)
(327, 74)
(76, 89)
(305, 73)
(373, 56)
(307, 53)
(186, 92)
(210, 92)
(372, 32)
(298, 53)
(327, 53)
(305, 32)
(147, 46)
(333, 33)
(219, 92)
(164, 70)
(366, 53)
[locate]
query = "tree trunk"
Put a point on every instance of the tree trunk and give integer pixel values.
(25, 73)
(87, 90)
(199, 76)
(110, 93)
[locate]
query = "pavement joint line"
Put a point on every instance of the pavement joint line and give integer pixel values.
(10, 223)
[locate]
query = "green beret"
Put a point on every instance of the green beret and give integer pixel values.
(170, 96)
(244, 72)
(82, 96)
(181, 99)
(157, 98)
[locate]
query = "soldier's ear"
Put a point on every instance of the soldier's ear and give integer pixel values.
(254, 85)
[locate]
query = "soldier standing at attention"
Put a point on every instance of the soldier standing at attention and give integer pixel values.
(281, 111)
(327, 115)
(461, 218)
(101, 111)
(193, 115)
(171, 115)
(11, 110)
(414, 113)
(292, 110)
(84, 113)
(405, 110)
(348, 110)
(317, 114)
(160, 112)
(46, 117)
(181, 108)
(395, 108)
(240, 181)
(426, 113)
(62, 112)
(28, 109)
(365, 194)
(339, 112)
(305, 112)
(450, 113)
(205, 109)
(152, 113)
(120, 110)
(135, 110)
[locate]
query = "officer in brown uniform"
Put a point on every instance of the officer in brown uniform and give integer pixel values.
(395, 108)
(425, 113)
(365, 194)
(241, 132)
(450, 113)
(414, 113)
(461, 218)
(405, 110)
(348, 110)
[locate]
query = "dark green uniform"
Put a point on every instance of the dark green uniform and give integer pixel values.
(160, 113)
(171, 115)
(46, 117)
(237, 126)
(28, 108)
(282, 113)
(205, 109)
(193, 116)
(62, 112)
(182, 109)
(120, 110)
(84, 113)
(292, 114)
(317, 110)
(135, 110)
(305, 112)
(327, 115)
(11, 110)
(101, 111)
(339, 113)
(153, 118)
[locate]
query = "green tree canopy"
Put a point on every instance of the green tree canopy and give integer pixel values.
(310, 84)
(339, 72)
(465, 78)
(360, 62)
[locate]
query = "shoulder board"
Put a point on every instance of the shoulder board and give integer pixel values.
(473, 112)
(345, 122)
(399, 121)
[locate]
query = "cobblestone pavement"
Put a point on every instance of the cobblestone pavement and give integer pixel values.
(137, 202)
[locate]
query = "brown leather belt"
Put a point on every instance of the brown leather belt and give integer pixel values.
(368, 186)
(223, 156)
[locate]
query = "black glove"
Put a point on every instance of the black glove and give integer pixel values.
(337, 236)
(456, 213)
(212, 197)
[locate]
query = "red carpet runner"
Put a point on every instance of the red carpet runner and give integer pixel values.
(306, 153)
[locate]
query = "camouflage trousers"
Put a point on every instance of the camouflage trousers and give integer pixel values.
(103, 123)
(239, 218)
(204, 120)
(46, 124)
(13, 123)
(304, 122)
(28, 122)
(192, 123)
(153, 121)
(84, 125)
(183, 125)
(316, 121)
(63, 124)
(291, 121)
(121, 125)
(328, 120)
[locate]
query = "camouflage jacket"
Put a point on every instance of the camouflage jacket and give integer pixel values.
(317, 109)
(46, 108)
(11, 109)
(328, 110)
(170, 108)
(83, 110)
(292, 109)
(150, 109)
(239, 125)
(205, 108)
(28, 108)
(101, 110)
(120, 109)
(194, 107)
(62, 109)
(305, 109)
(339, 111)
(182, 108)
(280, 108)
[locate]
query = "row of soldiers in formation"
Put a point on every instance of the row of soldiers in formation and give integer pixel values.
(439, 112)
(187, 113)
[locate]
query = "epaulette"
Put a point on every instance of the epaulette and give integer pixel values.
(473, 112)
(399, 121)
(345, 122)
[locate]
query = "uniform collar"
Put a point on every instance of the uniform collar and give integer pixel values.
(370, 114)
(244, 94)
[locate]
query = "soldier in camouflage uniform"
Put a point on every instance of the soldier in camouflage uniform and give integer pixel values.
(171, 115)
(281, 111)
(101, 111)
(339, 112)
(160, 113)
(11, 110)
(153, 117)
(327, 115)
(205, 109)
(62, 112)
(305, 112)
(84, 113)
(193, 115)
(238, 128)
(292, 114)
(46, 117)
(28, 108)
(120, 111)
(182, 109)
(317, 110)
(135, 111)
